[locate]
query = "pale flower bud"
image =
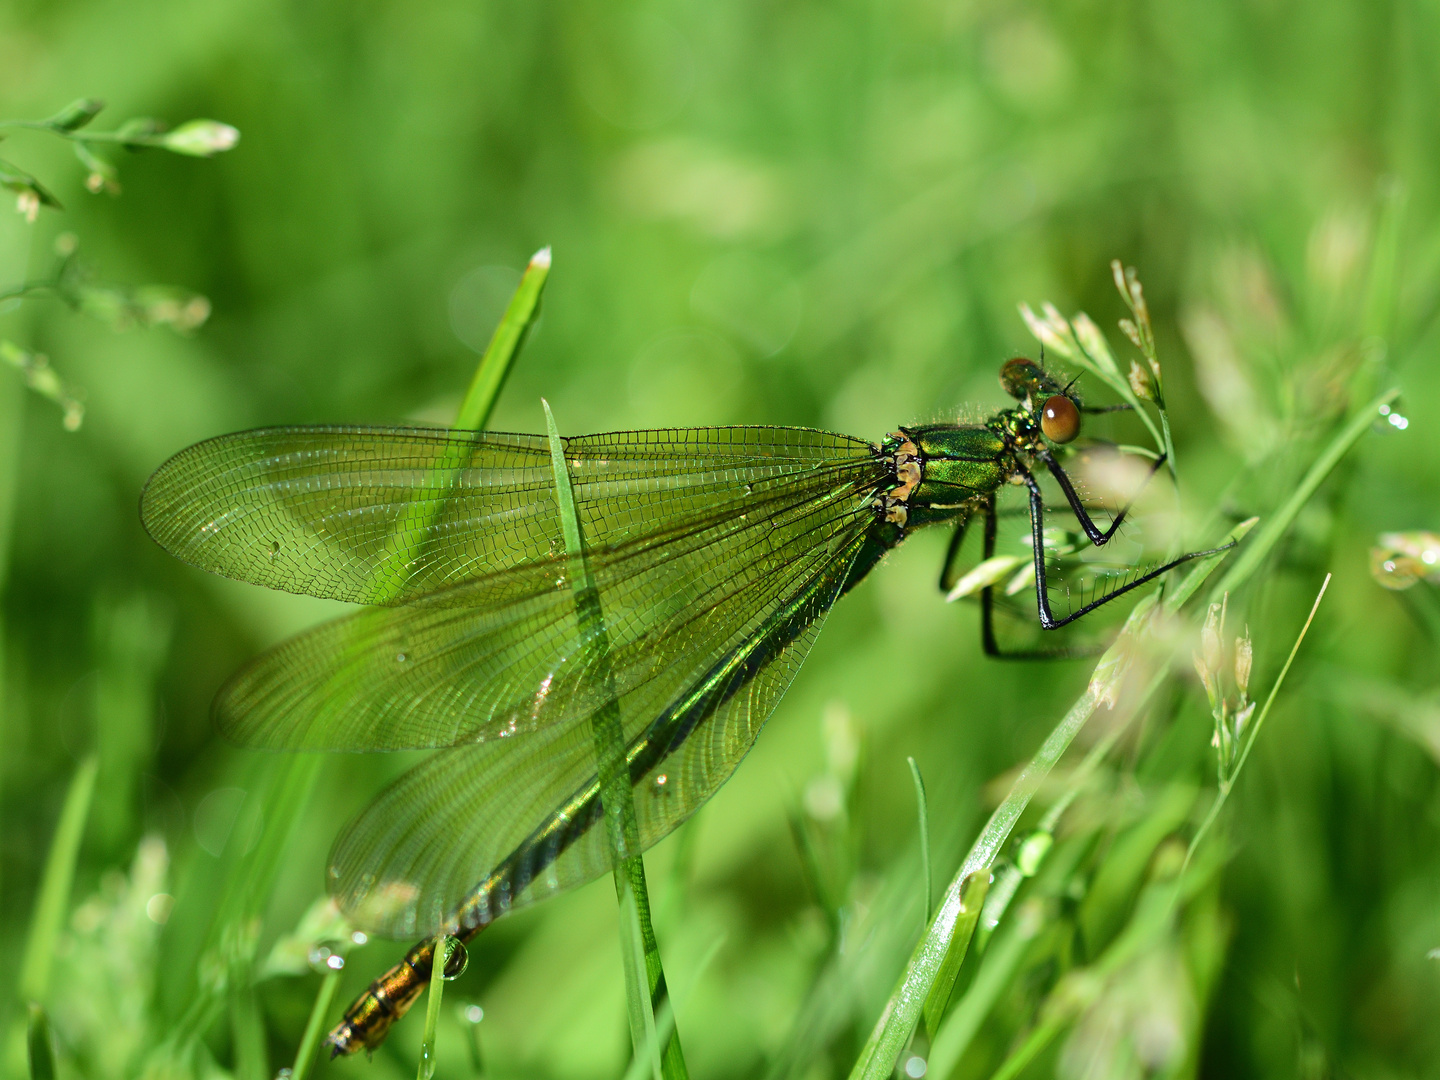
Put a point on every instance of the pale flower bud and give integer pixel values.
(1244, 653)
(1208, 659)
(200, 138)
(1140, 382)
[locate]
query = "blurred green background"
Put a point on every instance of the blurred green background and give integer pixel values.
(797, 213)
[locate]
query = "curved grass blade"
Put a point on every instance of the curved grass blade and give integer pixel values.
(923, 810)
(416, 528)
(53, 900)
(505, 345)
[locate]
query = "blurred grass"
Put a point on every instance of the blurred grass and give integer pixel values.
(795, 214)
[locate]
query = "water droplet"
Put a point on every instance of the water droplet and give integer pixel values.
(400, 658)
(324, 958)
(457, 962)
(661, 780)
(359, 937)
(474, 1013)
(915, 1067)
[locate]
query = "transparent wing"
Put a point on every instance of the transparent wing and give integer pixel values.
(479, 830)
(503, 654)
(384, 515)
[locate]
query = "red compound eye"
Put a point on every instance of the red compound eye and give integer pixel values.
(1060, 419)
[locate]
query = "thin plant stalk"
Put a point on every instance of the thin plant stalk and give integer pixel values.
(11, 418)
(1227, 784)
(314, 1026)
(433, 998)
(645, 987)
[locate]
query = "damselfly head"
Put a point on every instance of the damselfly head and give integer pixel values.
(1024, 379)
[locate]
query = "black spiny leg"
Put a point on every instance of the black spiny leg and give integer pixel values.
(950, 570)
(1097, 537)
(1042, 598)
(987, 612)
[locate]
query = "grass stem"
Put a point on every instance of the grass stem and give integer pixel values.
(444, 945)
(1228, 784)
(646, 991)
(53, 901)
(505, 345)
(314, 1026)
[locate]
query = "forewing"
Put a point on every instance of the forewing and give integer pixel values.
(503, 655)
(385, 515)
(520, 815)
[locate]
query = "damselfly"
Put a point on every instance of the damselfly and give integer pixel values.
(715, 553)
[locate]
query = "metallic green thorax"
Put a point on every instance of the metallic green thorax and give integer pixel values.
(945, 472)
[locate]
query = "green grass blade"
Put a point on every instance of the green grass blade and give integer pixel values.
(40, 1045)
(665, 1018)
(411, 533)
(972, 901)
(645, 987)
(433, 999)
(314, 1027)
(53, 901)
(505, 345)
(923, 810)
(1270, 533)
